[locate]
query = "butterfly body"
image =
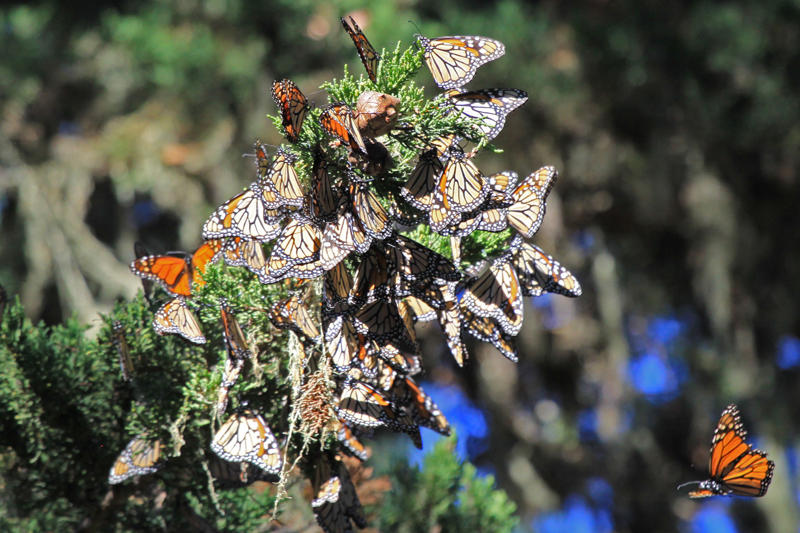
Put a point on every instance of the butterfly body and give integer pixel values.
(735, 467)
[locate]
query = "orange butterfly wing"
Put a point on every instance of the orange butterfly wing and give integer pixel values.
(293, 106)
(173, 273)
(369, 57)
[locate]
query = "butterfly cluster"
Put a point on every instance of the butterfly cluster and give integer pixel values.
(322, 217)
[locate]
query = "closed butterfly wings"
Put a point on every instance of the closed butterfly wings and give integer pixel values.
(337, 119)
(369, 57)
(453, 60)
(734, 466)
(293, 106)
(526, 213)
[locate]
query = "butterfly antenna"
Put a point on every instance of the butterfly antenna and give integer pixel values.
(679, 487)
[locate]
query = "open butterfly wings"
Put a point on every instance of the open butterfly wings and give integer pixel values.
(453, 60)
(734, 466)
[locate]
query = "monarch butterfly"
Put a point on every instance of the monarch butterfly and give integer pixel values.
(235, 342)
(121, 343)
(336, 503)
(369, 57)
(372, 278)
(420, 310)
(380, 321)
(527, 212)
(246, 437)
(495, 216)
(489, 107)
(415, 262)
(338, 120)
(423, 409)
(453, 60)
(418, 191)
(487, 330)
(341, 343)
(293, 106)
(450, 319)
(460, 189)
(139, 457)
(292, 313)
(336, 285)
(362, 405)
(324, 199)
(245, 253)
(350, 443)
(734, 466)
(175, 273)
(342, 237)
(373, 217)
(281, 179)
(496, 294)
(230, 373)
(298, 244)
(140, 250)
(539, 272)
(246, 216)
(235, 475)
(175, 317)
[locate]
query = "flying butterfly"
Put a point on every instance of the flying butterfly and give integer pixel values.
(453, 60)
(489, 107)
(369, 57)
(139, 457)
(527, 212)
(293, 106)
(734, 466)
(338, 120)
(246, 437)
(282, 180)
(175, 317)
(176, 272)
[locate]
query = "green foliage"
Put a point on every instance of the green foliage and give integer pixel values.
(445, 494)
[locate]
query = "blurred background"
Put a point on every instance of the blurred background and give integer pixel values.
(675, 128)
